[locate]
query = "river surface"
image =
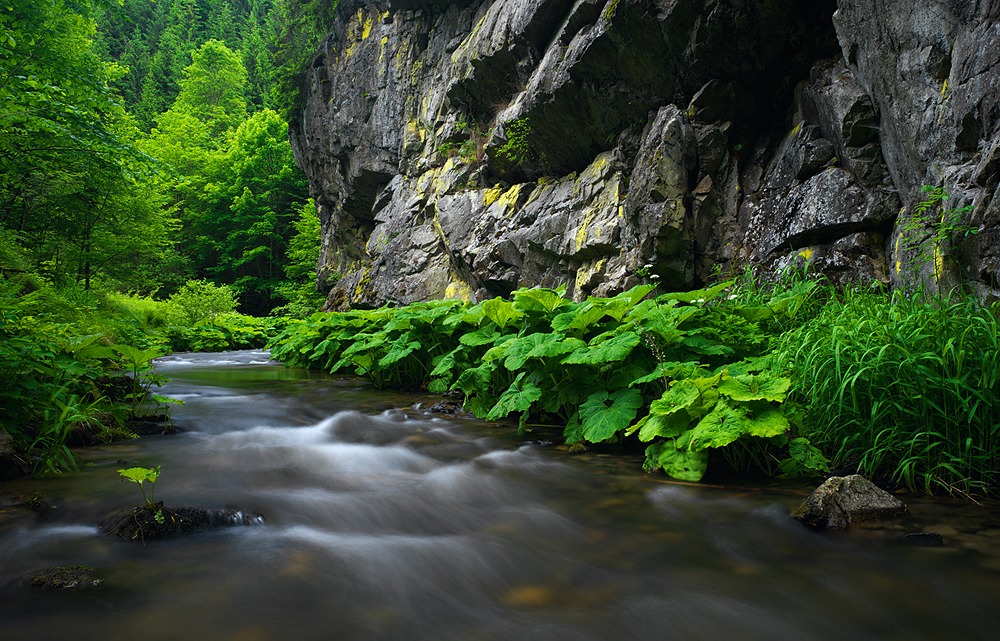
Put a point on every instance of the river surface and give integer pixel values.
(384, 522)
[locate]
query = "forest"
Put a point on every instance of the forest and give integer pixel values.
(148, 200)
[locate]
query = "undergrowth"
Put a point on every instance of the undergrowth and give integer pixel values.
(785, 378)
(904, 386)
(687, 373)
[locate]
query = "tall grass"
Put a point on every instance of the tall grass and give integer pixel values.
(904, 386)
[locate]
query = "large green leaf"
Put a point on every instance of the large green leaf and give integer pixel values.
(765, 421)
(364, 342)
(700, 296)
(538, 299)
(681, 395)
(476, 379)
(608, 351)
(517, 398)
(499, 350)
(401, 348)
(604, 414)
(520, 349)
(750, 387)
(444, 363)
(665, 425)
(666, 371)
(501, 312)
(482, 336)
(682, 464)
(579, 319)
(719, 428)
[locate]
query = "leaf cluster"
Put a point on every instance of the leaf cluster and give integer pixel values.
(604, 368)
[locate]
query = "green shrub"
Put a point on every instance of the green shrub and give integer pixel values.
(202, 300)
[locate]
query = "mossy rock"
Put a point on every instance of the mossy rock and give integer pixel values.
(159, 522)
(63, 577)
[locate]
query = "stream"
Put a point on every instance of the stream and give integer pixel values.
(382, 521)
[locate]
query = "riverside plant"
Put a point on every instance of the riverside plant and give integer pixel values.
(140, 475)
(687, 373)
(903, 384)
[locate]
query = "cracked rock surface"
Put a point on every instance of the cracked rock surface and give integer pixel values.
(470, 148)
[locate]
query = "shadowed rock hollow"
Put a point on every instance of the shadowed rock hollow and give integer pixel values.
(467, 149)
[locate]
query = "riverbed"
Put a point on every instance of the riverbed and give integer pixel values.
(385, 521)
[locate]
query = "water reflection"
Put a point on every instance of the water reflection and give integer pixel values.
(386, 523)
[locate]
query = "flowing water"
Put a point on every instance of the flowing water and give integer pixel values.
(384, 522)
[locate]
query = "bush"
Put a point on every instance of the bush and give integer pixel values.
(201, 300)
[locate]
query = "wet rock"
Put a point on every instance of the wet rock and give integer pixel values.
(921, 539)
(448, 408)
(152, 424)
(843, 500)
(36, 502)
(63, 577)
(144, 523)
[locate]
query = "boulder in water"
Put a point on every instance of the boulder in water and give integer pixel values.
(843, 500)
(158, 522)
(63, 577)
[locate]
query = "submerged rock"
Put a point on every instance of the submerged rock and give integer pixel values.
(843, 500)
(158, 522)
(921, 539)
(63, 577)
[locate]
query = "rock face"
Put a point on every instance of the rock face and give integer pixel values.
(843, 500)
(470, 148)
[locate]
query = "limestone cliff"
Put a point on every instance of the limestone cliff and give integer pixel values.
(467, 149)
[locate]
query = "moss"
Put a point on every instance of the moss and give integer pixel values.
(63, 577)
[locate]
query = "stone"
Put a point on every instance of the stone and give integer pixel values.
(843, 500)
(63, 577)
(921, 539)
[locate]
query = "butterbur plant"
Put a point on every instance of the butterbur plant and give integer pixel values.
(140, 475)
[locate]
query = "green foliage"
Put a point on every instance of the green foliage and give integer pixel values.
(932, 229)
(140, 475)
(140, 363)
(517, 149)
(212, 89)
(603, 368)
(903, 385)
(200, 300)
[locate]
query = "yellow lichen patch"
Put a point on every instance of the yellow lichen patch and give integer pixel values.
(490, 196)
(367, 29)
(806, 253)
(458, 290)
(381, 51)
(427, 180)
(509, 198)
(581, 232)
(938, 263)
(362, 283)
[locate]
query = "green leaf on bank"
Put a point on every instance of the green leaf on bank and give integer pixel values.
(517, 398)
(603, 414)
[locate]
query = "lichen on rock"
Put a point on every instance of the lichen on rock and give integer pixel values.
(474, 147)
